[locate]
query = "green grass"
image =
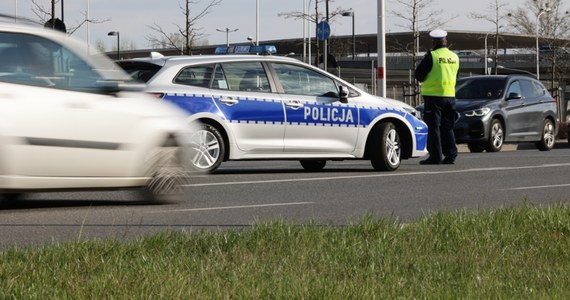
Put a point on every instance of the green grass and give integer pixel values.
(511, 253)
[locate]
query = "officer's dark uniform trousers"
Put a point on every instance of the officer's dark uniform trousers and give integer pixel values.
(440, 110)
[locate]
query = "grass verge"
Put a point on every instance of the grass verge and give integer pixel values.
(509, 253)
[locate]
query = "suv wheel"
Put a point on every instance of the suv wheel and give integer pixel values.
(496, 136)
(206, 149)
(385, 147)
(547, 140)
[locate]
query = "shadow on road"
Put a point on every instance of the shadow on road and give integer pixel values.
(77, 199)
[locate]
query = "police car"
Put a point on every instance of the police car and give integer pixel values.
(68, 120)
(261, 106)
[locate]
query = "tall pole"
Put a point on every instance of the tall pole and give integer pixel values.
(304, 31)
(351, 14)
(256, 23)
(540, 12)
(381, 45)
(486, 36)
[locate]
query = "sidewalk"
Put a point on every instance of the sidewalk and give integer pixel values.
(560, 144)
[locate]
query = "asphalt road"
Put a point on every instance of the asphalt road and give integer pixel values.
(243, 193)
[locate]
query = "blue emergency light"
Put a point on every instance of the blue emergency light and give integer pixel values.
(261, 49)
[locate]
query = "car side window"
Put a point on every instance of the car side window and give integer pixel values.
(529, 90)
(303, 81)
(33, 60)
(195, 76)
(243, 76)
(514, 87)
(539, 89)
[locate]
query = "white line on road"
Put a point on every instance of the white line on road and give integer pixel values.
(539, 187)
(232, 207)
(386, 174)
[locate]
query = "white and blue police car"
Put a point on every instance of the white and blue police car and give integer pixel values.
(273, 107)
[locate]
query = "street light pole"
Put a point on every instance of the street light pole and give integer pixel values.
(540, 12)
(351, 14)
(227, 31)
(486, 36)
(116, 33)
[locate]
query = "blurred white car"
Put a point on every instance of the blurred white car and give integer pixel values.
(68, 120)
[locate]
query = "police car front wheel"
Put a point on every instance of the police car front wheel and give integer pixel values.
(385, 147)
(206, 149)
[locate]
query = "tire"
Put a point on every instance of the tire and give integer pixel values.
(313, 165)
(547, 139)
(6, 198)
(385, 152)
(205, 151)
(496, 136)
(475, 148)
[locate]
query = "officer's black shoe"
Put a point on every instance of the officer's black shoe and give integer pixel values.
(430, 161)
(448, 161)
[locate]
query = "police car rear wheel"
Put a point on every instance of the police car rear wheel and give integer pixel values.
(385, 147)
(313, 165)
(206, 149)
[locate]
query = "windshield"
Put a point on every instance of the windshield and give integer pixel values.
(30, 59)
(479, 88)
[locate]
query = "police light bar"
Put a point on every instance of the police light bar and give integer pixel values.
(262, 49)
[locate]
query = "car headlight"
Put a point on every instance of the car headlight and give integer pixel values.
(478, 112)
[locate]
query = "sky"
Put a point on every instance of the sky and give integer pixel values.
(132, 18)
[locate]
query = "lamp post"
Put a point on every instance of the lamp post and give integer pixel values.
(351, 14)
(540, 12)
(116, 33)
(227, 31)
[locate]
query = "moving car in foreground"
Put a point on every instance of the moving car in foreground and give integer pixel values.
(67, 121)
(494, 109)
(271, 107)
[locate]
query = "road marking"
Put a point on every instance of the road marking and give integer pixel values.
(231, 207)
(375, 175)
(538, 187)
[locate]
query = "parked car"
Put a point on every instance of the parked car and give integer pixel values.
(494, 109)
(71, 119)
(272, 107)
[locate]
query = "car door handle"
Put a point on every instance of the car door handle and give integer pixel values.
(228, 100)
(294, 104)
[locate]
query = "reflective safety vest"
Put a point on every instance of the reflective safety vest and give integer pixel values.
(440, 81)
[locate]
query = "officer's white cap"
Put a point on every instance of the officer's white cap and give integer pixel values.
(438, 34)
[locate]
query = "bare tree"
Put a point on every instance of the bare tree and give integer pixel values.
(416, 15)
(549, 21)
(185, 38)
(44, 15)
(493, 14)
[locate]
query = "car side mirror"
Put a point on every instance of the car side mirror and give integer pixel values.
(514, 96)
(343, 93)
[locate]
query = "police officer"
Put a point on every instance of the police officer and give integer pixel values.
(438, 73)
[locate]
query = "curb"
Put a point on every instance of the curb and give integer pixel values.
(560, 144)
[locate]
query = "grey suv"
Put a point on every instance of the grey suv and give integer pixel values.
(494, 109)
